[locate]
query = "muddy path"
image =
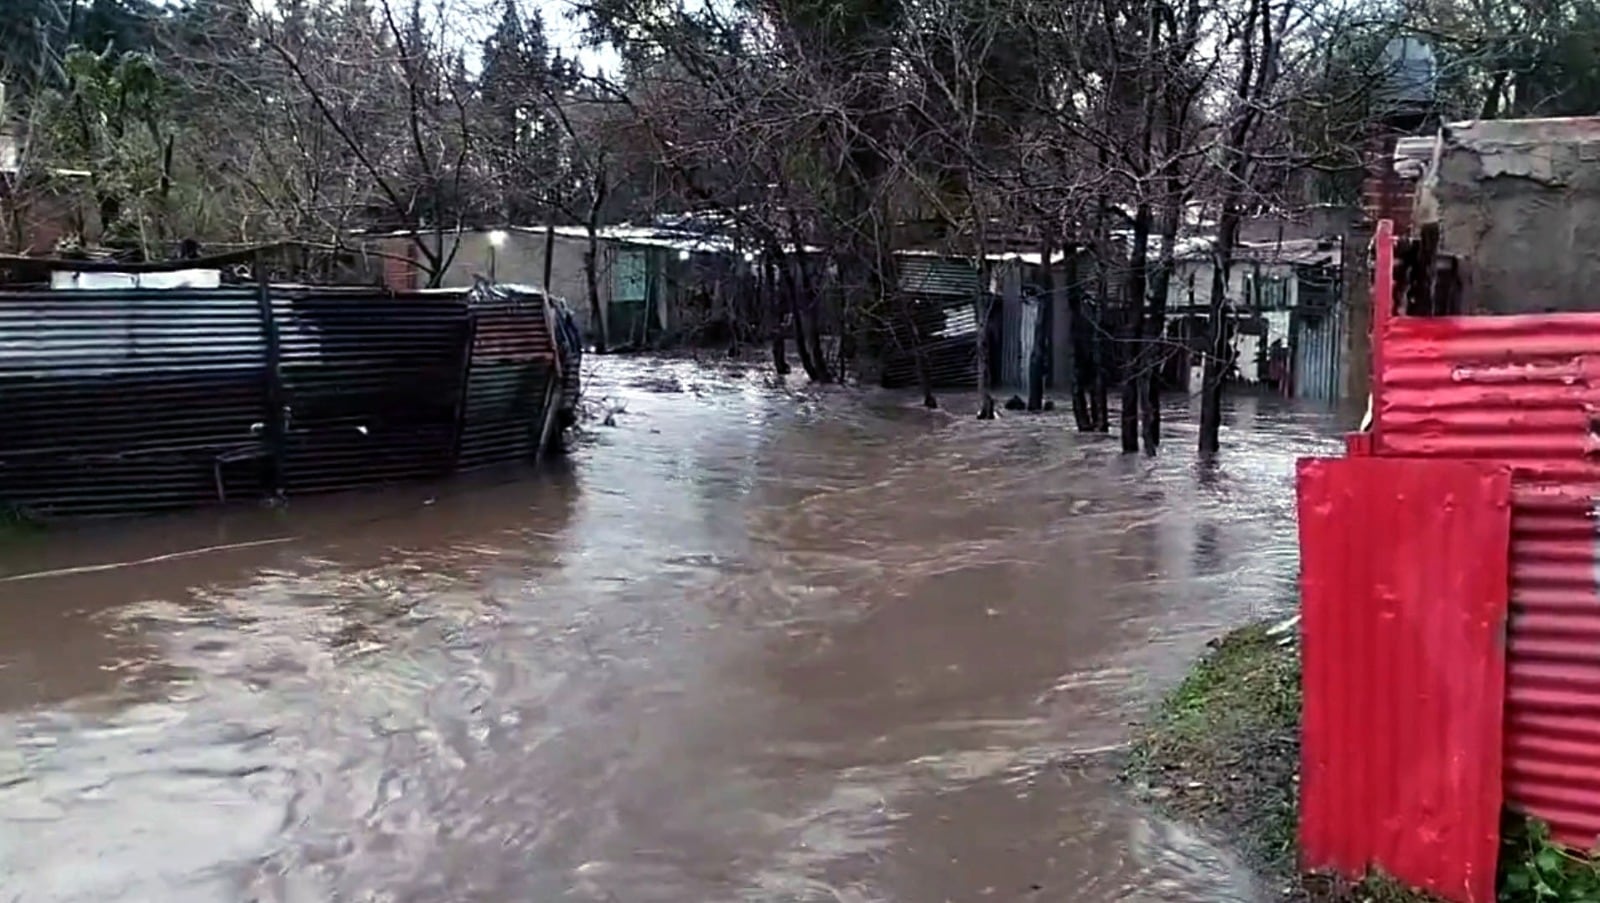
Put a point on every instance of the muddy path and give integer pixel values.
(749, 644)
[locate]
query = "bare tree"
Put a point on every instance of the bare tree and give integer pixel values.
(392, 101)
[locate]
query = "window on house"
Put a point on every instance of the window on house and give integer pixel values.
(1267, 292)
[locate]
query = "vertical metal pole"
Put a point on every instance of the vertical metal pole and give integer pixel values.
(274, 421)
(1382, 312)
(549, 255)
(464, 395)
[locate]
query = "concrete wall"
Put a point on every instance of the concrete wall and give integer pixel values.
(520, 259)
(1518, 202)
(686, 291)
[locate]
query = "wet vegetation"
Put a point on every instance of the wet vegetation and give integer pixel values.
(1535, 868)
(1223, 748)
(1223, 752)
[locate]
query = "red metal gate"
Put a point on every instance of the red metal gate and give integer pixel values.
(1405, 578)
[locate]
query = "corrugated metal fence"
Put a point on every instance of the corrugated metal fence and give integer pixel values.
(118, 402)
(946, 338)
(511, 347)
(1521, 392)
(1318, 343)
(1017, 334)
(1404, 669)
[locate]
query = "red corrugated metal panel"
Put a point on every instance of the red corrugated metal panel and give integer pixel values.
(1524, 390)
(1403, 604)
(1519, 388)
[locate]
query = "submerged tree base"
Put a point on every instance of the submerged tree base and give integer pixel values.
(1223, 752)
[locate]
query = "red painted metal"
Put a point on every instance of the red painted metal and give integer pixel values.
(1523, 390)
(1404, 592)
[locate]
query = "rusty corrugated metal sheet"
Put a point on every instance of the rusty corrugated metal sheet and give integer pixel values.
(372, 385)
(120, 402)
(128, 401)
(1524, 390)
(1403, 602)
(509, 382)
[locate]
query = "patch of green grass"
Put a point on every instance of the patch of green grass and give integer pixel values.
(1223, 751)
(1246, 680)
(1224, 747)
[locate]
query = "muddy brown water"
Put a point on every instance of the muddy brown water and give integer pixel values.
(748, 644)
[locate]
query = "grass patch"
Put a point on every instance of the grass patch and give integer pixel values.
(1223, 751)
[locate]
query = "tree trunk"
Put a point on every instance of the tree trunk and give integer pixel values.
(807, 335)
(925, 378)
(1100, 412)
(1078, 342)
(985, 399)
(919, 351)
(1156, 324)
(802, 347)
(591, 286)
(1155, 339)
(1132, 357)
(591, 260)
(1130, 362)
(1256, 78)
(769, 295)
(814, 335)
(780, 361)
(1036, 354)
(1219, 355)
(549, 254)
(1102, 401)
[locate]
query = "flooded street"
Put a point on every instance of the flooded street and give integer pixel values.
(750, 644)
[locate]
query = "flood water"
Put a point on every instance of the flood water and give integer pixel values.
(748, 644)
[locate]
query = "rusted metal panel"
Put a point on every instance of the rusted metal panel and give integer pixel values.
(1404, 593)
(123, 401)
(514, 360)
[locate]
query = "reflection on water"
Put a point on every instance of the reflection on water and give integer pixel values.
(751, 644)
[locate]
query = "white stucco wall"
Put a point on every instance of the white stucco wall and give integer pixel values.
(520, 259)
(1179, 299)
